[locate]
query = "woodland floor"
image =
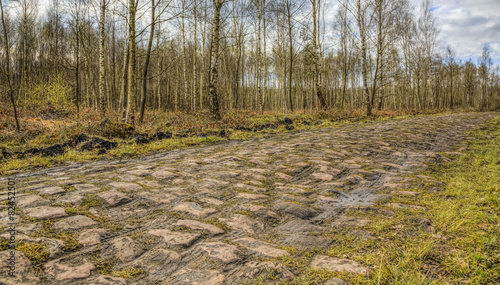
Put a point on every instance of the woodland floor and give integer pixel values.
(304, 207)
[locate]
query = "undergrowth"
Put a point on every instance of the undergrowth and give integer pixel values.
(49, 127)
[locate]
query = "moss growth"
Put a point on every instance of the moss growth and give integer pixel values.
(129, 273)
(36, 253)
(70, 239)
(246, 213)
(111, 225)
(68, 188)
(217, 223)
(4, 244)
(89, 201)
(102, 265)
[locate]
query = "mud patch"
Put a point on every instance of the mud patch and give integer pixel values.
(98, 143)
(85, 142)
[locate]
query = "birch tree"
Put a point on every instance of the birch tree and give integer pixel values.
(315, 46)
(131, 100)
(146, 63)
(214, 60)
(8, 71)
(102, 36)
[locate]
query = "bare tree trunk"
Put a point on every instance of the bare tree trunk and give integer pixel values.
(102, 35)
(77, 64)
(77, 76)
(380, 47)
(259, 59)
(184, 57)
(24, 56)
(290, 71)
(124, 88)
(237, 37)
(159, 63)
(381, 95)
(130, 117)
(203, 58)
(362, 34)
(9, 80)
(146, 64)
(319, 92)
(194, 55)
(214, 58)
(113, 64)
(264, 56)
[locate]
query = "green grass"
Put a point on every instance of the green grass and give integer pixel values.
(463, 248)
(123, 151)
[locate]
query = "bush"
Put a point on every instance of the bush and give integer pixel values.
(54, 94)
(495, 103)
(119, 130)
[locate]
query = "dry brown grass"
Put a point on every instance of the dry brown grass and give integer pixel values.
(45, 127)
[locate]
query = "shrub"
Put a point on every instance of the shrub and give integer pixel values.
(54, 94)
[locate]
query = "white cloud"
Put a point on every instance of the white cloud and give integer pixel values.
(467, 25)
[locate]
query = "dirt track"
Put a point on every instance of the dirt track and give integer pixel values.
(220, 214)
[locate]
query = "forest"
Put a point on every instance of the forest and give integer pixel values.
(137, 57)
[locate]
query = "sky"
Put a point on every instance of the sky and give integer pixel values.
(467, 25)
